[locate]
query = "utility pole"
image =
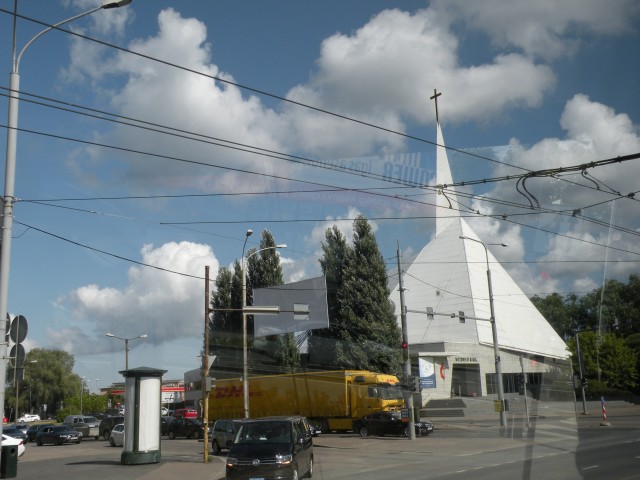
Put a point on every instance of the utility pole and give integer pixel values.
(205, 366)
(405, 351)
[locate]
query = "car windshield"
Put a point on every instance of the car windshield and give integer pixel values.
(61, 428)
(264, 432)
(390, 393)
(90, 420)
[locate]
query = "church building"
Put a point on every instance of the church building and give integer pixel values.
(452, 291)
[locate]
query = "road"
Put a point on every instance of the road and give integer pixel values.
(551, 448)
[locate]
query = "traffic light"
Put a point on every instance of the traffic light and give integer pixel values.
(429, 313)
(583, 381)
(461, 317)
(405, 345)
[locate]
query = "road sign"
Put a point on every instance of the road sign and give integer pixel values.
(17, 355)
(19, 328)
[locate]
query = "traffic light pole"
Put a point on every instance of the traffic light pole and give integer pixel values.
(405, 352)
(582, 379)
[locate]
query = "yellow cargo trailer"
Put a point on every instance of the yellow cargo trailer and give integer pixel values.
(330, 399)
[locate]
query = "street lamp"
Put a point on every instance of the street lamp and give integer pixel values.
(10, 170)
(496, 347)
(126, 346)
(245, 362)
(81, 392)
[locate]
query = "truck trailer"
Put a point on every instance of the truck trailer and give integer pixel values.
(332, 400)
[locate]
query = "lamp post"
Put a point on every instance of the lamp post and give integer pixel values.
(30, 382)
(126, 346)
(496, 347)
(10, 170)
(81, 392)
(245, 354)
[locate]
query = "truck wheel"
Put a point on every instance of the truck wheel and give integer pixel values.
(364, 432)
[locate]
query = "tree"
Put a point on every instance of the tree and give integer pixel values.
(263, 270)
(49, 380)
(322, 343)
(616, 360)
(364, 332)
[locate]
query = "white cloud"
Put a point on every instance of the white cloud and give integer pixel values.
(385, 72)
(164, 305)
(544, 28)
(594, 132)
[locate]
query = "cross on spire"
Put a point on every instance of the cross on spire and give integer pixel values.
(435, 98)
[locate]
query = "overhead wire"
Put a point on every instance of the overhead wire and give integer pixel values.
(320, 110)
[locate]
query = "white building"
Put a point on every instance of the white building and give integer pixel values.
(450, 276)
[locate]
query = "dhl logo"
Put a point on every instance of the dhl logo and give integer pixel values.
(232, 392)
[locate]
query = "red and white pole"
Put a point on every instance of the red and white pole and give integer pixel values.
(604, 422)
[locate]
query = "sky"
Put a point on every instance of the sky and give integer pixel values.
(144, 157)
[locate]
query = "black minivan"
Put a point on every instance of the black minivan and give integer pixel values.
(275, 448)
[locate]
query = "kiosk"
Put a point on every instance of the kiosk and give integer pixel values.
(143, 390)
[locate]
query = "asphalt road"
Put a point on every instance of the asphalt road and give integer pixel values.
(549, 448)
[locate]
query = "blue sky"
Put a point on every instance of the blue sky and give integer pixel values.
(536, 85)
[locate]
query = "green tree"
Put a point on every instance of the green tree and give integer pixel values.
(322, 342)
(48, 380)
(263, 270)
(364, 332)
(616, 360)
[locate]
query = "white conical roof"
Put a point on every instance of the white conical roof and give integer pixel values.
(450, 275)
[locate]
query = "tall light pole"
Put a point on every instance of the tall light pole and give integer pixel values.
(494, 330)
(10, 171)
(245, 353)
(126, 346)
(81, 392)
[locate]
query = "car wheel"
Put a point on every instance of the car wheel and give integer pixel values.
(38, 442)
(295, 474)
(112, 442)
(106, 435)
(59, 441)
(364, 432)
(215, 448)
(196, 435)
(406, 431)
(172, 436)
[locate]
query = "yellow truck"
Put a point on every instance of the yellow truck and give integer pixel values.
(332, 400)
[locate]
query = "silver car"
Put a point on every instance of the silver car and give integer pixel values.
(224, 432)
(116, 438)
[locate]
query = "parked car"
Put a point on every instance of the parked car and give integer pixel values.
(271, 447)
(15, 432)
(86, 425)
(117, 435)
(186, 427)
(7, 441)
(223, 432)
(388, 423)
(186, 413)
(57, 435)
(33, 430)
(315, 429)
(27, 417)
(107, 423)
(165, 421)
